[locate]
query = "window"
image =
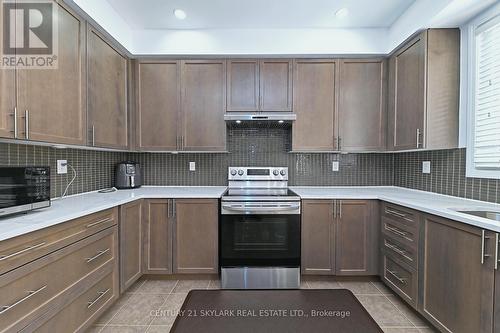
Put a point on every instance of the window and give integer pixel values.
(483, 153)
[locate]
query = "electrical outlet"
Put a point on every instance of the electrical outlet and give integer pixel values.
(426, 167)
(335, 166)
(192, 166)
(62, 167)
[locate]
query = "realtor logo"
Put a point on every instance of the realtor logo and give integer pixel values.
(29, 34)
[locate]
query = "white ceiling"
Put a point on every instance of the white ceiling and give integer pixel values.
(259, 14)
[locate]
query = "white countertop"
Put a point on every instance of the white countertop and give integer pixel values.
(432, 203)
(76, 206)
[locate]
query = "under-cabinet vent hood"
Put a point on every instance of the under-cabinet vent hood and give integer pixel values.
(261, 116)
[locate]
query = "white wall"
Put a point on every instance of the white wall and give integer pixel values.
(260, 41)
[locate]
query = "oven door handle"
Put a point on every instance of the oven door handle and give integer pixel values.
(261, 208)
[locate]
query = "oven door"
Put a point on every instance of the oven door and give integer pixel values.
(260, 240)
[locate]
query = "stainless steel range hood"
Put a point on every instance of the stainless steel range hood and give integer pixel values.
(260, 116)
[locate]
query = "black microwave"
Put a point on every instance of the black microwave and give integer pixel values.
(24, 188)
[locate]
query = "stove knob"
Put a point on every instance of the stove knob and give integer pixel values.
(240, 172)
(233, 172)
(283, 172)
(276, 172)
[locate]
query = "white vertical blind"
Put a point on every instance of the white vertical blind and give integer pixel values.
(487, 96)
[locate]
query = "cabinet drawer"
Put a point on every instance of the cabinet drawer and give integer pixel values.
(401, 279)
(405, 235)
(18, 251)
(26, 290)
(398, 250)
(403, 215)
(78, 315)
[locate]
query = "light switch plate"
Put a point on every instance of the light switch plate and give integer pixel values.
(335, 166)
(62, 167)
(192, 166)
(426, 167)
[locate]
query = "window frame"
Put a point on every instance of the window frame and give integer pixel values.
(470, 29)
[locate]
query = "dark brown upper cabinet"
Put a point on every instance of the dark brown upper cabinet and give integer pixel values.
(314, 103)
(49, 104)
(158, 105)
(423, 93)
(259, 85)
(107, 98)
(362, 105)
(203, 98)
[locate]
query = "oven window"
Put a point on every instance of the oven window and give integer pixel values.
(255, 235)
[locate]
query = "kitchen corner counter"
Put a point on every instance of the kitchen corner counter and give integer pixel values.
(76, 206)
(432, 203)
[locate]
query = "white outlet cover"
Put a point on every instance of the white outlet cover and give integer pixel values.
(192, 166)
(426, 167)
(62, 167)
(335, 166)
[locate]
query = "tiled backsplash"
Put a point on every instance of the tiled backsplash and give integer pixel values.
(447, 175)
(265, 146)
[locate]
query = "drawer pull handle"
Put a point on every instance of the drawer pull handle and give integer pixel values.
(396, 276)
(393, 212)
(100, 253)
(398, 250)
(108, 219)
(100, 295)
(31, 293)
(29, 248)
(398, 232)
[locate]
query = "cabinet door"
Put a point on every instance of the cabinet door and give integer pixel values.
(8, 100)
(130, 230)
(314, 104)
(409, 108)
(203, 105)
(158, 95)
(107, 93)
(157, 239)
(362, 105)
(54, 99)
(357, 238)
(456, 287)
(242, 85)
(275, 85)
(196, 245)
(318, 235)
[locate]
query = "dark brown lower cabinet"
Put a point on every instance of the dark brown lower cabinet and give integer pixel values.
(340, 237)
(157, 236)
(196, 241)
(130, 230)
(458, 273)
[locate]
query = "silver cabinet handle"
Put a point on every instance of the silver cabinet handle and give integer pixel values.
(182, 142)
(339, 143)
(15, 123)
(340, 209)
(396, 276)
(418, 137)
(392, 212)
(496, 251)
(99, 254)
(398, 250)
(108, 219)
(27, 123)
(174, 212)
(31, 293)
(93, 135)
(335, 209)
(100, 295)
(398, 232)
(483, 246)
(29, 248)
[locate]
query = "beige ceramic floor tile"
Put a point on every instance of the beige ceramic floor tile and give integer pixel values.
(399, 330)
(382, 288)
(323, 284)
(159, 329)
(138, 310)
(169, 310)
(383, 311)
(109, 314)
(133, 288)
(214, 284)
(184, 286)
(124, 329)
(360, 288)
(94, 329)
(157, 287)
(428, 330)
(408, 312)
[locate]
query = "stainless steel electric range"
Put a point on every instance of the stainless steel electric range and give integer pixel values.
(259, 230)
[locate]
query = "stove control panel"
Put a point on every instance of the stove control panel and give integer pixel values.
(258, 173)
